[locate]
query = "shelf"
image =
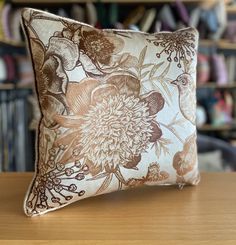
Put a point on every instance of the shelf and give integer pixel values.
(221, 44)
(12, 86)
(104, 1)
(209, 127)
(231, 9)
(217, 86)
(12, 43)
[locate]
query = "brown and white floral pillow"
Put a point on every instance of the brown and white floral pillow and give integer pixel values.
(118, 109)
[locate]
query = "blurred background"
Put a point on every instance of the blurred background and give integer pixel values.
(216, 71)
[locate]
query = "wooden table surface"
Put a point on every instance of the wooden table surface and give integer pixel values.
(205, 214)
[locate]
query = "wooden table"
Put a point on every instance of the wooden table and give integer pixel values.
(205, 214)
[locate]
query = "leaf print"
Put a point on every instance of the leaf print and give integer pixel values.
(172, 130)
(105, 184)
(155, 86)
(120, 177)
(147, 66)
(154, 69)
(125, 84)
(127, 60)
(39, 51)
(165, 88)
(175, 121)
(160, 82)
(99, 176)
(161, 146)
(142, 57)
(144, 74)
(165, 72)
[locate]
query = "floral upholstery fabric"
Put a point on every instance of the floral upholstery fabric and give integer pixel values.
(118, 109)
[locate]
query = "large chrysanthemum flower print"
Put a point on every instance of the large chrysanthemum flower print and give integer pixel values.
(111, 126)
(116, 131)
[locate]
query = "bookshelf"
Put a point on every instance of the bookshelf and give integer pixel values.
(212, 128)
(12, 43)
(13, 86)
(103, 1)
(213, 85)
(231, 9)
(221, 44)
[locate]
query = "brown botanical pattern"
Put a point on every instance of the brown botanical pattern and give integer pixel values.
(113, 115)
(185, 160)
(100, 47)
(154, 175)
(115, 126)
(178, 47)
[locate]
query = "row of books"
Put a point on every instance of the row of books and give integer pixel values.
(209, 17)
(10, 22)
(16, 141)
(216, 67)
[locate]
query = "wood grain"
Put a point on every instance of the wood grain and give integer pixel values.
(205, 214)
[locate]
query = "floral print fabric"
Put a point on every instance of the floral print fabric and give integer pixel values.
(118, 109)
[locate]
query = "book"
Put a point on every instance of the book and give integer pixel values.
(1, 26)
(167, 18)
(6, 11)
(3, 70)
(91, 14)
(77, 13)
(15, 27)
(182, 12)
(219, 9)
(195, 17)
(147, 20)
(134, 16)
(231, 66)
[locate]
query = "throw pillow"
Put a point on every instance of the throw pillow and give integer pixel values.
(118, 109)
